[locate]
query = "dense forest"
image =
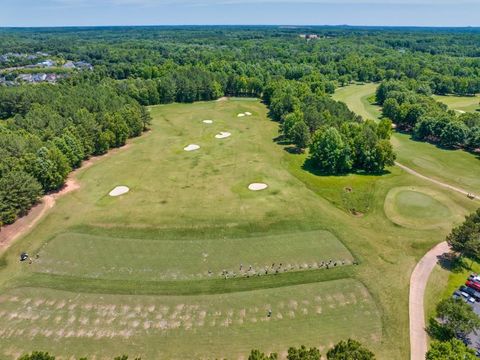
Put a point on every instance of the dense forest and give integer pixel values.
(48, 129)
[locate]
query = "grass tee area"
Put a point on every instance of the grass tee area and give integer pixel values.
(188, 263)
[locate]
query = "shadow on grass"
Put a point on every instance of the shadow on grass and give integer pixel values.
(310, 166)
(293, 150)
(453, 263)
(435, 143)
(437, 331)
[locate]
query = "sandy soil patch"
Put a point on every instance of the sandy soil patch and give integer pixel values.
(119, 190)
(21, 226)
(223, 135)
(191, 147)
(257, 186)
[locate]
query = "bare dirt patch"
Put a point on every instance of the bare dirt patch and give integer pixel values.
(9, 233)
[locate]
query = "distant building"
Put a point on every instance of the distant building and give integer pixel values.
(83, 65)
(69, 65)
(309, 36)
(47, 63)
(51, 78)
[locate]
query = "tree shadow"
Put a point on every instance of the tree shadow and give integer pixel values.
(280, 140)
(436, 144)
(293, 150)
(437, 331)
(310, 166)
(452, 262)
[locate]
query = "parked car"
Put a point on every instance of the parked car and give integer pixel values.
(472, 292)
(473, 285)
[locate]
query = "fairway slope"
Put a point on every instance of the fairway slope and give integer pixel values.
(189, 253)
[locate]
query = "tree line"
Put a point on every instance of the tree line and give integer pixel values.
(338, 140)
(409, 105)
(48, 130)
(454, 318)
(344, 350)
(51, 129)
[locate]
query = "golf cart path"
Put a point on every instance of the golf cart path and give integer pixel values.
(450, 187)
(9, 233)
(419, 280)
(418, 283)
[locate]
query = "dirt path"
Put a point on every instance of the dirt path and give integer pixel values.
(418, 283)
(9, 233)
(450, 187)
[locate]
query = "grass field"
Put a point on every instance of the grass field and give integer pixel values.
(455, 167)
(358, 98)
(432, 204)
(193, 326)
(144, 273)
(421, 208)
(460, 103)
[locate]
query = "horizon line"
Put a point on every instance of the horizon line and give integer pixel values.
(245, 25)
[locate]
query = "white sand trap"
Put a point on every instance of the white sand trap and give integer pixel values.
(119, 190)
(223, 135)
(257, 186)
(208, 121)
(248, 113)
(241, 115)
(191, 147)
(461, 111)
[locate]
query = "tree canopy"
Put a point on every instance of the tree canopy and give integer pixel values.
(452, 349)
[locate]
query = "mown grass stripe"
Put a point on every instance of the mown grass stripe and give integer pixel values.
(189, 287)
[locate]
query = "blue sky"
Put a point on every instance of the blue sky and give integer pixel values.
(287, 12)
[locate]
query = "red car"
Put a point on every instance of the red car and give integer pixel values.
(472, 284)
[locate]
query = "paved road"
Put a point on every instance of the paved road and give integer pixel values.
(418, 283)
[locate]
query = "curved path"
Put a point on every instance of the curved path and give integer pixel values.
(418, 283)
(450, 187)
(9, 233)
(419, 280)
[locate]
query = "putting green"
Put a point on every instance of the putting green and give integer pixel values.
(421, 208)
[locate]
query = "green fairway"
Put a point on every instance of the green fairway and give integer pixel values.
(460, 104)
(164, 270)
(429, 207)
(455, 167)
(358, 98)
(188, 226)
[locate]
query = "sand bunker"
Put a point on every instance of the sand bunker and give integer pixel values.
(208, 121)
(461, 111)
(241, 115)
(191, 147)
(222, 135)
(119, 190)
(248, 113)
(257, 186)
